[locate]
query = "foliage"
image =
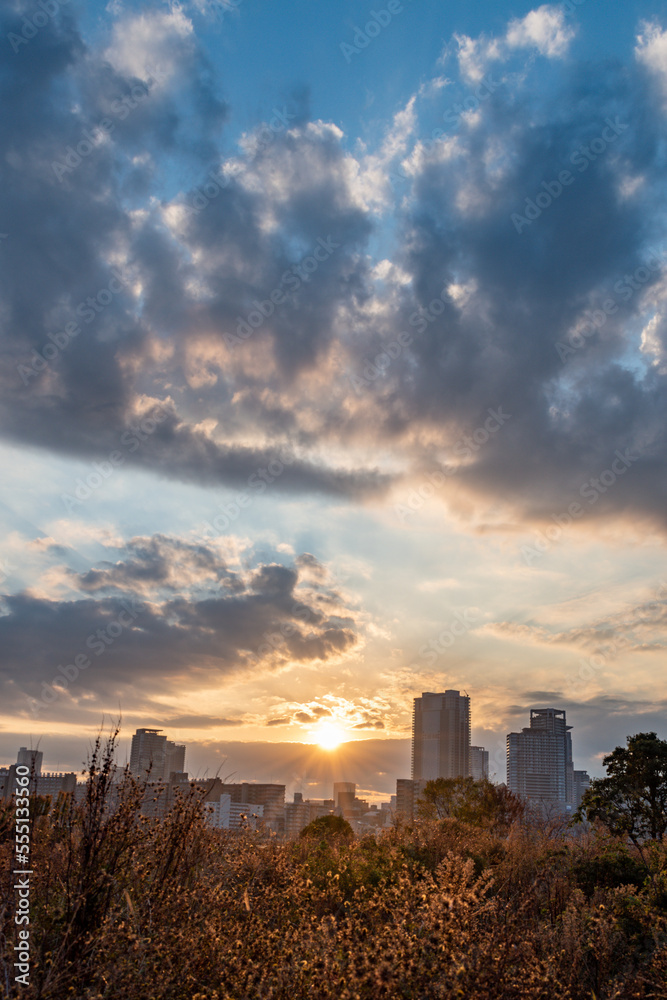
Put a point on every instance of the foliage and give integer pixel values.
(612, 866)
(171, 909)
(632, 800)
(328, 828)
(479, 802)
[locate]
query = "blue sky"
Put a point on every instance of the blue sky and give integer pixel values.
(331, 376)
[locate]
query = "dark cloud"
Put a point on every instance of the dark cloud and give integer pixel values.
(543, 697)
(78, 257)
(200, 722)
(496, 344)
(195, 266)
(137, 633)
(161, 562)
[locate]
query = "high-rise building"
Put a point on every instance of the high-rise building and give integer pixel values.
(155, 756)
(32, 759)
(441, 736)
(227, 815)
(147, 754)
(249, 794)
(218, 813)
(55, 783)
(479, 763)
(539, 759)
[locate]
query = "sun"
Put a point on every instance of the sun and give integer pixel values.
(329, 735)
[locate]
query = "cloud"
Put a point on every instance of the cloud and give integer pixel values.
(138, 630)
(545, 29)
(85, 398)
(634, 628)
(151, 42)
(651, 52)
(200, 722)
(482, 308)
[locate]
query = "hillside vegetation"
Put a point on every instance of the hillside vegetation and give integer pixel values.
(130, 908)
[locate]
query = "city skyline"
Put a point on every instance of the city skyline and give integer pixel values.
(373, 765)
(331, 383)
(440, 724)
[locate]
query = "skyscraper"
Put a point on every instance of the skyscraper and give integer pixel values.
(539, 759)
(441, 736)
(155, 754)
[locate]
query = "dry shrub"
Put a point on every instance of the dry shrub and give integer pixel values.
(144, 909)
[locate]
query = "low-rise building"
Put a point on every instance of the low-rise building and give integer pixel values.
(407, 796)
(582, 783)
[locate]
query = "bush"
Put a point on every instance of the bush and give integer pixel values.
(328, 828)
(612, 867)
(171, 909)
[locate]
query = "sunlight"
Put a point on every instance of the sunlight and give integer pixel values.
(329, 735)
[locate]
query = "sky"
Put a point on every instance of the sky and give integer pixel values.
(333, 356)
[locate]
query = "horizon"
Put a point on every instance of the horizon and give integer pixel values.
(347, 760)
(333, 382)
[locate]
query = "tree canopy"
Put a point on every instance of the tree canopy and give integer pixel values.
(632, 800)
(480, 803)
(328, 828)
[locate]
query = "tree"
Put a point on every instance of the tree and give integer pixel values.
(328, 828)
(632, 800)
(479, 803)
